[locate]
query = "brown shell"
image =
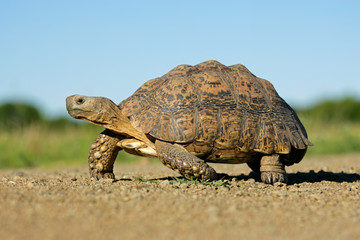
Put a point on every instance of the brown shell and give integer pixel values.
(216, 105)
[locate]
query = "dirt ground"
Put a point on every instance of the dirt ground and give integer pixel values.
(321, 201)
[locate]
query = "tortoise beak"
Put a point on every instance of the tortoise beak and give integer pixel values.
(74, 105)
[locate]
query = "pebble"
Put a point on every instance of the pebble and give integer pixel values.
(16, 178)
(107, 180)
(280, 193)
(250, 180)
(315, 196)
(164, 183)
(279, 184)
(30, 185)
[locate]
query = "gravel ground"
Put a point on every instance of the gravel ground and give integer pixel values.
(321, 201)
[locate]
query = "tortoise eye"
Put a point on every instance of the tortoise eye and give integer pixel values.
(80, 101)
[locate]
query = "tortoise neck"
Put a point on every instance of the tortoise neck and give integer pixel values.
(119, 123)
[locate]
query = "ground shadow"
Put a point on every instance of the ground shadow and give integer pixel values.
(313, 177)
(293, 178)
(147, 179)
(310, 177)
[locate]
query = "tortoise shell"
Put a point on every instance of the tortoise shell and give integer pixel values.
(211, 107)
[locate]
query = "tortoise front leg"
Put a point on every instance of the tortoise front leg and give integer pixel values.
(102, 155)
(180, 160)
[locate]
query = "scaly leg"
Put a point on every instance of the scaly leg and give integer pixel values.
(180, 160)
(102, 155)
(272, 169)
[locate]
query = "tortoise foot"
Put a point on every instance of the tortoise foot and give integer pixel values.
(272, 170)
(198, 171)
(96, 174)
(273, 177)
(181, 161)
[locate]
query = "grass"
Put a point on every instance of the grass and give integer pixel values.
(331, 140)
(333, 137)
(38, 145)
(145, 180)
(217, 183)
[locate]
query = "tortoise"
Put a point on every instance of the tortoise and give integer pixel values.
(193, 115)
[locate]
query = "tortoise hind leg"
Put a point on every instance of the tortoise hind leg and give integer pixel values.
(272, 170)
(180, 160)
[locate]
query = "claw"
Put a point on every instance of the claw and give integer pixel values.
(275, 178)
(271, 178)
(99, 175)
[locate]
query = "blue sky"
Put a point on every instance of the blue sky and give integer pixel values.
(309, 50)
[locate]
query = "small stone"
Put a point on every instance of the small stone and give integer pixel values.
(279, 184)
(30, 185)
(164, 183)
(315, 196)
(4, 179)
(11, 182)
(250, 180)
(73, 179)
(279, 193)
(184, 186)
(16, 178)
(107, 180)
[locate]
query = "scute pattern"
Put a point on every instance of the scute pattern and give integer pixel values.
(216, 108)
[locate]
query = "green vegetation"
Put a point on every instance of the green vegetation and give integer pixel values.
(333, 127)
(145, 180)
(28, 139)
(18, 115)
(222, 182)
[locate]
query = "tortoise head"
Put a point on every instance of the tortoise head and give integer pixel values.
(97, 110)
(104, 112)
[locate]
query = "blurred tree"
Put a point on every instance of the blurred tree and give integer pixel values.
(17, 115)
(334, 111)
